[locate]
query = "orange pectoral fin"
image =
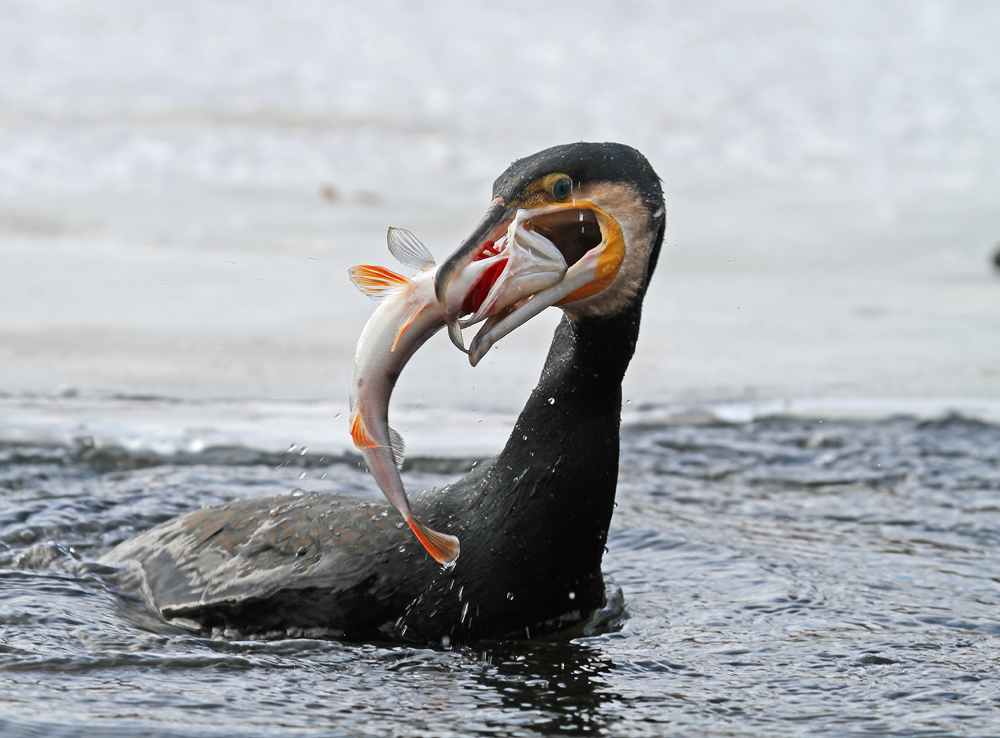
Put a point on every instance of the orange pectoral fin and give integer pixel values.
(443, 547)
(375, 281)
(406, 324)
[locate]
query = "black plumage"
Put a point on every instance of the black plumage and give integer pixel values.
(533, 521)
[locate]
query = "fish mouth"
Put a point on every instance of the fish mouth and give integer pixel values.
(519, 261)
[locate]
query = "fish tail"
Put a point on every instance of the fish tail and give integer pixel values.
(443, 547)
(375, 281)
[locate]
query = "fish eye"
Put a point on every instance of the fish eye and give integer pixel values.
(562, 188)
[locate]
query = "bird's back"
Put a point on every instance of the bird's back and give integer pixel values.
(305, 560)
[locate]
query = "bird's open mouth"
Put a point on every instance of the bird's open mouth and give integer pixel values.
(572, 231)
(520, 261)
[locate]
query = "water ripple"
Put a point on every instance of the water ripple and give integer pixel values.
(783, 577)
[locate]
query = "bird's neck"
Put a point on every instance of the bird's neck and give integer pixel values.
(559, 470)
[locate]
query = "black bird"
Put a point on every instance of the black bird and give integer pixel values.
(533, 521)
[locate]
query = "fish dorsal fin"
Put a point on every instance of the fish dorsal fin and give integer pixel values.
(408, 250)
(398, 447)
(375, 281)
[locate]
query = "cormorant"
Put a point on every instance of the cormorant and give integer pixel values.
(533, 521)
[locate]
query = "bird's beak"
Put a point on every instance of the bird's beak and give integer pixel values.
(519, 261)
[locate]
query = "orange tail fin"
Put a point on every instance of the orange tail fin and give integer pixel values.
(443, 547)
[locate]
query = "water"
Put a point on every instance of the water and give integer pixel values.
(785, 576)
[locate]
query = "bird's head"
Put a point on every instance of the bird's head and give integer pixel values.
(577, 226)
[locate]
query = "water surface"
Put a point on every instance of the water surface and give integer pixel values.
(782, 577)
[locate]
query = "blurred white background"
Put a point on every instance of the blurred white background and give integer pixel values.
(183, 186)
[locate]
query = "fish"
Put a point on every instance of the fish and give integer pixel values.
(408, 314)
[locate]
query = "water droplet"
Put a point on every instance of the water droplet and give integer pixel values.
(465, 610)
(460, 590)
(510, 595)
(552, 400)
(302, 475)
(400, 525)
(572, 595)
(628, 402)
(402, 549)
(323, 475)
(336, 416)
(445, 642)
(290, 448)
(303, 451)
(524, 437)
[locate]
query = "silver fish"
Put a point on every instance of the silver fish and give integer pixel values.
(408, 314)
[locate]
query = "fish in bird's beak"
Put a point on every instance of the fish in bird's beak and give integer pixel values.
(520, 260)
(408, 314)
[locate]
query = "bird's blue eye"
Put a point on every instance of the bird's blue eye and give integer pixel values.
(562, 188)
